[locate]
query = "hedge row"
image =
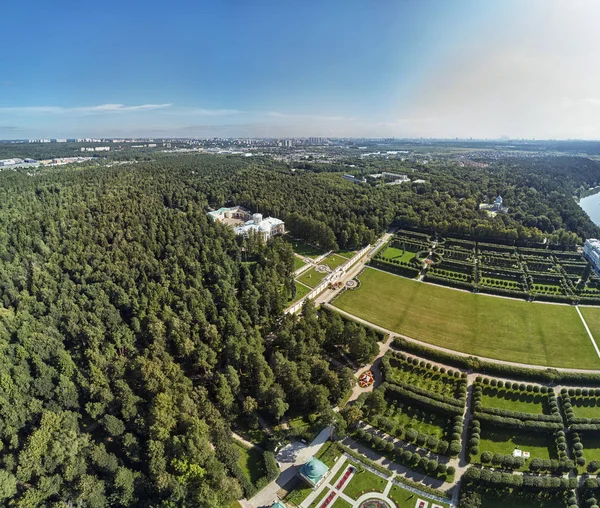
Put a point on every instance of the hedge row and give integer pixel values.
(445, 281)
(515, 423)
(424, 488)
(404, 270)
(414, 461)
(547, 375)
(498, 479)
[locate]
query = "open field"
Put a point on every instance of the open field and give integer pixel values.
(311, 278)
(592, 318)
(513, 400)
(539, 445)
(345, 253)
(501, 328)
(407, 499)
(305, 249)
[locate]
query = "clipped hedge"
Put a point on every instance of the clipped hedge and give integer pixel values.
(547, 375)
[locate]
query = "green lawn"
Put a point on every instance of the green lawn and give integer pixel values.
(588, 407)
(334, 261)
(591, 446)
(514, 400)
(364, 481)
(311, 278)
(301, 291)
(488, 326)
(298, 263)
(423, 378)
(539, 445)
(592, 318)
(407, 499)
(251, 463)
(426, 422)
(304, 249)
(399, 254)
(340, 503)
(317, 502)
(299, 494)
(348, 254)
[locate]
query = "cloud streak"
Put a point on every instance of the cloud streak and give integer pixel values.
(102, 108)
(278, 114)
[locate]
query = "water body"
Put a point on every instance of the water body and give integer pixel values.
(591, 205)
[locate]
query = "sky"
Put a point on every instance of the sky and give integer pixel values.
(338, 68)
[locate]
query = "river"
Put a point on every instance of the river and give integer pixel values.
(591, 205)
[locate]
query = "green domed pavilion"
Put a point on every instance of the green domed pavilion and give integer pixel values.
(313, 472)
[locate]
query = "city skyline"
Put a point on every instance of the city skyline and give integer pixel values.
(432, 70)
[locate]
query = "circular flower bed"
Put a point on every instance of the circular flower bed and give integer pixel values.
(375, 503)
(352, 284)
(323, 269)
(366, 379)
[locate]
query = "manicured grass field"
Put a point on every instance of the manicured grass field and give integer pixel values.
(329, 454)
(407, 499)
(251, 463)
(311, 278)
(301, 291)
(592, 318)
(399, 254)
(317, 502)
(305, 249)
(539, 445)
(364, 481)
(298, 263)
(501, 328)
(334, 261)
(513, 400)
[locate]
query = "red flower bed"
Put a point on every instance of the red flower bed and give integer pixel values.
(344, 478)
(328, 500)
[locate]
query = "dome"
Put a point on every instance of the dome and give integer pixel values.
(314, 470)
(277, 505)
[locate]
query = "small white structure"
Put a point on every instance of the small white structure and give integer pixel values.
(591, 251)
(526, 455)
(517, 453)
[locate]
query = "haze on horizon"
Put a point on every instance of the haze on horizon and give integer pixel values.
(486, 69)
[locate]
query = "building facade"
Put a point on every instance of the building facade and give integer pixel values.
(591, 251)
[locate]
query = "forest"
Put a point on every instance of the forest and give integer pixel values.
(135, 332)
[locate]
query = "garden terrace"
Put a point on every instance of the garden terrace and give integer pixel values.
(496, 248)
(456, 254)
(581, 407)
(574, 269)
(458, 243)
(423, 237)
(311, 278)
(493, 445)
(513, 397)
(399, 368)
(425, 426)
(397, 254)
(499, 261)
(457, 266)
(566, 256)
(535, 253)
(535, 265)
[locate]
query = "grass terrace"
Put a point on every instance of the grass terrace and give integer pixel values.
(305, 249)
(311, 278)
(591, 446)
(345, 253)
(488, 326)
(334, 261)
(301, 292)
(540, 445)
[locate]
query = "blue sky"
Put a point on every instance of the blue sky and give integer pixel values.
(312, 68)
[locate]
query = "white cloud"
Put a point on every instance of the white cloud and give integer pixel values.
(84, 109)
(206, 112)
